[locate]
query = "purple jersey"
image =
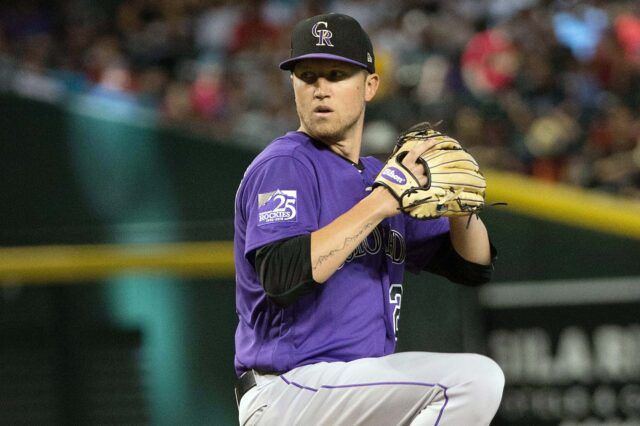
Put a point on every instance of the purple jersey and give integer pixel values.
(294, 187)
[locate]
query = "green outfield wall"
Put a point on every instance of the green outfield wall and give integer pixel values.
(97, 172)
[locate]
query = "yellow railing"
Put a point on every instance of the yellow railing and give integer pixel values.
(565, 204)
(77, 263)
(55, 264)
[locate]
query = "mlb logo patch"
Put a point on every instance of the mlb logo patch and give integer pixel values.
(277, 206)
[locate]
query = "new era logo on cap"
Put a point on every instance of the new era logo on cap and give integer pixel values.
(331, 36)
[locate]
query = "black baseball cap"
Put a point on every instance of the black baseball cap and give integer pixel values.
(331, 36)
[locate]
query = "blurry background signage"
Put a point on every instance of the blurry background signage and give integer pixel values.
(569, 349)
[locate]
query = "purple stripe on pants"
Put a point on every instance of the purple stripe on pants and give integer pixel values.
(356, 385)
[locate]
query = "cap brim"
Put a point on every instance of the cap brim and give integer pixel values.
(290, 63)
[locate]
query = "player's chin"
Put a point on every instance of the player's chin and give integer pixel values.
(325, 131)
(328, 136)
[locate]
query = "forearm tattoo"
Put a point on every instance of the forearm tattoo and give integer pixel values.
(357, 237)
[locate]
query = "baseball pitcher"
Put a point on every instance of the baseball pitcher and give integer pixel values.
(322, 240)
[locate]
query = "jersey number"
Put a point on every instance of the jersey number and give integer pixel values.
(395, 298)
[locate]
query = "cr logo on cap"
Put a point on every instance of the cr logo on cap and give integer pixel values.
(324, 35)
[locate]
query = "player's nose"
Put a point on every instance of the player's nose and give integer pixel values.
(322, 88)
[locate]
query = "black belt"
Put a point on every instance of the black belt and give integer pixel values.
(246, 381)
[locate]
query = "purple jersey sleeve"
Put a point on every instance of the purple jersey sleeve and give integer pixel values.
(423, 239)
(278, 201)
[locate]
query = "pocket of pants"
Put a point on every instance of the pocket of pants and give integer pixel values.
(255, 416)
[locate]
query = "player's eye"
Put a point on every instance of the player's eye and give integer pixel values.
(337, 75)
(307, 76)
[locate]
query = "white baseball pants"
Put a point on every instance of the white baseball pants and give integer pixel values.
(410, 388)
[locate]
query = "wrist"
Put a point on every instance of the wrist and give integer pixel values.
(462, 222)
(456, 220)
(384, 202)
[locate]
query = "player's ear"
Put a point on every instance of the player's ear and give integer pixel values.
(371, 86)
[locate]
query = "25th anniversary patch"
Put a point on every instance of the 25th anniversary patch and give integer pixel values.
(277, 206)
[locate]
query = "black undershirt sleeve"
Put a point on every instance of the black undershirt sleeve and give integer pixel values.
(284, 269)
(449, 264)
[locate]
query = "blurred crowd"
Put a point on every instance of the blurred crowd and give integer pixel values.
(549, 88)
